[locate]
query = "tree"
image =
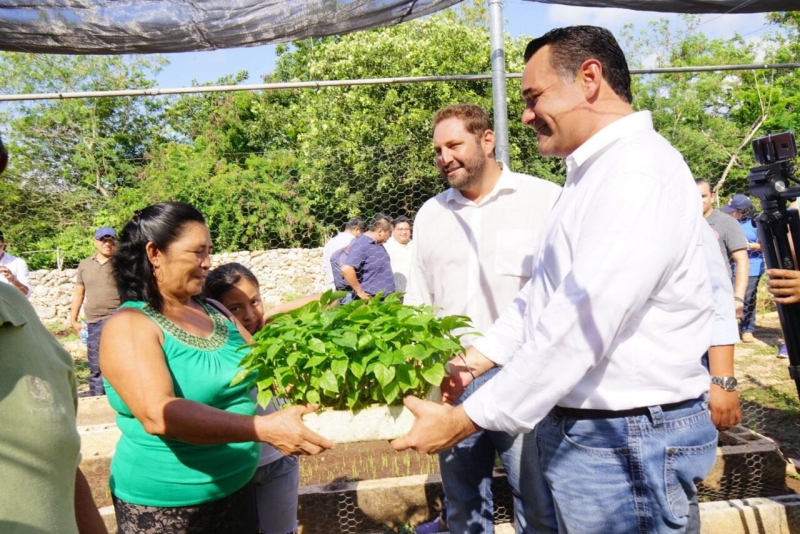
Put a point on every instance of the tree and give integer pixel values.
(69, 156)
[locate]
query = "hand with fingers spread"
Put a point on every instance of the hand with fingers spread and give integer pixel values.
(437, 427)
(285, 431)
(784, 284)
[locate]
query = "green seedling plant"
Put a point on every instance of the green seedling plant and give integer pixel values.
(351, 356)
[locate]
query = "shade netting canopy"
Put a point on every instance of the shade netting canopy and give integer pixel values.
(148, 26)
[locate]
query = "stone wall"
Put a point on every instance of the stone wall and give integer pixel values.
(282, 273)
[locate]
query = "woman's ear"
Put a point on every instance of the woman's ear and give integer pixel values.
(153, 254)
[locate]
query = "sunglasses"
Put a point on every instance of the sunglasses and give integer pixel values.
(108, 239)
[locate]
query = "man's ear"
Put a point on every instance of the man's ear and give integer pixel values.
(487, 142)
(590, 78)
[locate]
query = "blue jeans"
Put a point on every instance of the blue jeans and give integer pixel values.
(467, 469)
(276, 486)
(748, 321)
(93, 355)
(628, 474)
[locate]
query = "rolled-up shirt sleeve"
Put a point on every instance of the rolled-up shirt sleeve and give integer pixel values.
(599, 291)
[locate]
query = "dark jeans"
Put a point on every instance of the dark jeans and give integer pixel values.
(748, 320)
(93, 353)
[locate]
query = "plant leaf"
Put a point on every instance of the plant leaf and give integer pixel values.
(316, 345)
(240, 375)
(348, 339)
(434, 374)
(384, 374)
(328, 382)
(315, 361)
(263, 397)
(390, 392)
(312, 396)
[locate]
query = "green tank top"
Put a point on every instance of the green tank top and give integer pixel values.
(158, 471)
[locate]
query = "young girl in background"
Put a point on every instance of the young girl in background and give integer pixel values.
(278, 477)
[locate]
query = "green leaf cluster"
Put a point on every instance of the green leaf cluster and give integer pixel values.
(353, 355)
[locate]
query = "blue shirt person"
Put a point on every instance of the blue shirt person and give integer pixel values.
(368, 268)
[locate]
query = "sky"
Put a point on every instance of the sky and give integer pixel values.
(521, 18)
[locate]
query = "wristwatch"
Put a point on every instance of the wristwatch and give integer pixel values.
(728, 383)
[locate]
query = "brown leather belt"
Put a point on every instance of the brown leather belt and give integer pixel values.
(581, 413)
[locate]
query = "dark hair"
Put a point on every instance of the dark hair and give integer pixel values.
(356, 223)
(161, 224)
(701, 181)
(475, 119)
(2, 237)
(571, 46)
(3, 156)
(401, 219)
(380, 222)
(225, 277)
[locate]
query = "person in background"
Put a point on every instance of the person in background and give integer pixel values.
(473, 253)
(740, 207)
(367, 268)
(96, 291)
(399, 247)
(732, 243)
(13, 270)
(277, 478)
(354, 228)
(44, 489)
(168, 357)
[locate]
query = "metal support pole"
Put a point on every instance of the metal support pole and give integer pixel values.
(499, 80)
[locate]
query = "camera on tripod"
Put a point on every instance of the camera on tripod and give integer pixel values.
(774, 148)
(778, 226)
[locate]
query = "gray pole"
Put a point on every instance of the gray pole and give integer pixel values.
(499, 80)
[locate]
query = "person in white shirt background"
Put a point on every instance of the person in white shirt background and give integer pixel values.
(473, 252)
(601, 351)
(354, 228)
(399, 247)
(13, 270)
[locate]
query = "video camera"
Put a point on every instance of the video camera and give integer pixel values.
(778, 226)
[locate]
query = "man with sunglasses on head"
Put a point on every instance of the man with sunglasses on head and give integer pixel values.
(96, 291)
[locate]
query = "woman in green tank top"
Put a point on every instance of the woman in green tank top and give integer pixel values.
(190, 443)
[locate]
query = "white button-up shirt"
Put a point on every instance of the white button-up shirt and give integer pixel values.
(472, 259)
(619, 310)
(337, 242)
(400, 256)
(18, 268)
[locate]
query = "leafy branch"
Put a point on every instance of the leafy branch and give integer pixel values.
(354, 355)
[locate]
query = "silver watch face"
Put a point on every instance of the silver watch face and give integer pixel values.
(728, 383)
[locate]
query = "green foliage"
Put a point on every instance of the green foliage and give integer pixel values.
(364, 352)
(69, 156)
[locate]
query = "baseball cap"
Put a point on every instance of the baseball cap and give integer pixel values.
(105, 231)
(739, 202)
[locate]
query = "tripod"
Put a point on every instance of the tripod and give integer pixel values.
(779, 233)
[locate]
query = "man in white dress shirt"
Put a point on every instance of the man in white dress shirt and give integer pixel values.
(354, 228)
(601, 352)
(399, 247)
(472, 254)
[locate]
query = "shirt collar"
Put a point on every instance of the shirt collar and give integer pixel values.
(635, 122)
(508, 181)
